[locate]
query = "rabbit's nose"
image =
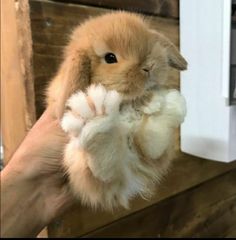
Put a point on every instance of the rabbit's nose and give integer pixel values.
(146, 70)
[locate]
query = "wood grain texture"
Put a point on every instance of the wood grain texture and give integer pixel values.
(163, 8)
(187, 172)
(208, 210)
(25, 49)
(52, 24)
(16, 112)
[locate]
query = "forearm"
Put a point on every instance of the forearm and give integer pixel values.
(21, 205)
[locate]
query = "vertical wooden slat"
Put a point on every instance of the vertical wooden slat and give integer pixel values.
(16, 115)
(25, 47)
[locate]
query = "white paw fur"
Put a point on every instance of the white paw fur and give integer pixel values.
(105, 104)
(166, 111)
(175, 105)
(95, 154)
(104, 170)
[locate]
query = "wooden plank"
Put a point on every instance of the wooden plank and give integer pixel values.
(187, 171)
(52, 24)
(209, 210)
(17, 104)
(163, 8)
(25, 48)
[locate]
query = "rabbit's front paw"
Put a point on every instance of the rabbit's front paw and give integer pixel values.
(175, 105)
(97, 104)
(154, 105)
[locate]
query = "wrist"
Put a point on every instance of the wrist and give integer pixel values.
(38, 191)
(22, 198)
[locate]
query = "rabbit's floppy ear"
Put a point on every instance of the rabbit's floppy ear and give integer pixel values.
(74, 74)
(175, 59)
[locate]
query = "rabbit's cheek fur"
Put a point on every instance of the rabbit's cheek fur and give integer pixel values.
(130, 83)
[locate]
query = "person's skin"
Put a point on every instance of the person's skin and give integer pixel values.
(34, 190)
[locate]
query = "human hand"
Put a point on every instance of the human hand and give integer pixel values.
(36, 169)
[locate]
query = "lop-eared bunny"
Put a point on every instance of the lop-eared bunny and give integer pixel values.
(120, 122)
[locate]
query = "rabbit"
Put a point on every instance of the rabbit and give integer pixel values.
(109, 98)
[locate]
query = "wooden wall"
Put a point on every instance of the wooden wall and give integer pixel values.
(197, 198)
(162, 8)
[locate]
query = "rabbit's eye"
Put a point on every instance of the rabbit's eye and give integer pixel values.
(110, 58)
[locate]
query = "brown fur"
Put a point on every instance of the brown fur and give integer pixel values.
(142, 53)
(136, 46)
